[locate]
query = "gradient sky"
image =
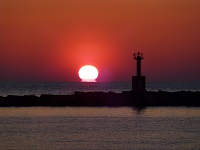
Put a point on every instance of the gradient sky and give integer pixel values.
(49, 40)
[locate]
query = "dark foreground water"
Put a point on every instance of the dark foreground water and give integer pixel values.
(100, 128)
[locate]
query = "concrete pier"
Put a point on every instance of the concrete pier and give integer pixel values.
(109, 99)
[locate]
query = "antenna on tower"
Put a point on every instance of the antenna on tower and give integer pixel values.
(138, 81)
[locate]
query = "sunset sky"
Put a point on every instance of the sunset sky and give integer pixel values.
(49, 40)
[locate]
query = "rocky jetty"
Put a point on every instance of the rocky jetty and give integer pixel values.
(109, 99)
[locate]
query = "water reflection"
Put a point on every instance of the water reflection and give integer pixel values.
(99, 127)
(138, 110)
(99, 111)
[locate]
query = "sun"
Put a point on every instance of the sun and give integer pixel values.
(88, 73)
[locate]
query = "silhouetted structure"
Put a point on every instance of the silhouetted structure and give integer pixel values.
(139, 98)
(138, 82)
(110, 99)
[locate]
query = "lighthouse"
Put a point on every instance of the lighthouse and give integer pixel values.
(138, 81)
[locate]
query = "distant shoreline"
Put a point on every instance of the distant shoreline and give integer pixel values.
(109, 99)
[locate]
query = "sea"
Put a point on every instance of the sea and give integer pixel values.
(94, 128)
(63, 88)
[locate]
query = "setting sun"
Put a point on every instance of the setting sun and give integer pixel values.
(88, 73)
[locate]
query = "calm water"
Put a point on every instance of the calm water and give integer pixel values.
(38, 88)
(100, 128)
(97, 127)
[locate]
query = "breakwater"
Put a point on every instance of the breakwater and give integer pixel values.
(109, 99)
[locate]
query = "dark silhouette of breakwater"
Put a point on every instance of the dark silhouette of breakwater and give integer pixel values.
(109, 99)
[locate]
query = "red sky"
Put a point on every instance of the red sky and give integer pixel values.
(49, 40)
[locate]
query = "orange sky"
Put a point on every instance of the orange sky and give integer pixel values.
(51, 39)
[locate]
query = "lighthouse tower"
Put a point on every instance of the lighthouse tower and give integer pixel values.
(138, 81)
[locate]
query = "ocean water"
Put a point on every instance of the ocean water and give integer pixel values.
(47, 128)
(38, 88)
(124, 128)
